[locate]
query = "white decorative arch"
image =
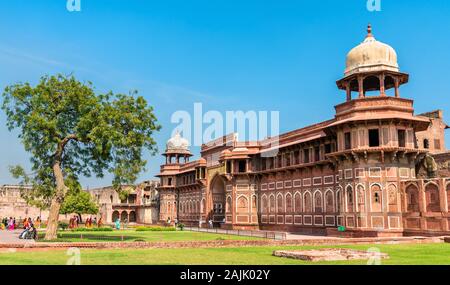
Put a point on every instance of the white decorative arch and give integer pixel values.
(275, 202)
(297, 194)
(429, 183)
(254, 196)
(371, 196)
(317, 192)
(279, 194)
(246, 198)
(264, 196)
(285, 201)
(329, 190)
(307, 192)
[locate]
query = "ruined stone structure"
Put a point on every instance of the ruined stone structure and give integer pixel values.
(357, 170)
(141, 206)
(12, 204)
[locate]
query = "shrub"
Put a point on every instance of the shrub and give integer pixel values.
(63, 226)
(181, 226)
(102, 229)
(154, 229)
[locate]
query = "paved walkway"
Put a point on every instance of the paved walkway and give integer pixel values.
(12, 237)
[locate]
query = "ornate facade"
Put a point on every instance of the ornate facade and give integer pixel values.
(376, 168)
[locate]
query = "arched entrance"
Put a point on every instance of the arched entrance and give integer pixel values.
(217, 190)
(132, 217)
(124, 216)
(115, 216)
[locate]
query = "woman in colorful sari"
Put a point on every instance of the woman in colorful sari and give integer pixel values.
(11, 224)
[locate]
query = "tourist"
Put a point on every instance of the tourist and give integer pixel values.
(10, 224)
(100, 222)
(118, 224)
(95, 221)
(38, 222)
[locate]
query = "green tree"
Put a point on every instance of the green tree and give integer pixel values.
(79, 203)
(71, 131)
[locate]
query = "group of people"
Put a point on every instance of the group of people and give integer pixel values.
(8, 223)
(29, 227)
(89, 223)
(11, 223)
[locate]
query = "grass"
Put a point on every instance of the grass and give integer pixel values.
(400, 254)
(149, 236)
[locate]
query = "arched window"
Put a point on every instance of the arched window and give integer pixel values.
(318, 202)
(272, 203)
(361, 198)
(376, 198)
(280, 204)
(329, 202)
(288, 203)
(307, 202)
(432, 198)
(350, 205)
(392, 198)
(264, 204)
(298, 203)
(242, 204)
(412, 198)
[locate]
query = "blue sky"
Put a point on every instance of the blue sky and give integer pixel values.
(229, 55)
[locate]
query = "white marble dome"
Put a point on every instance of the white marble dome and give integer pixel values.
(177, 143)
(371, 55)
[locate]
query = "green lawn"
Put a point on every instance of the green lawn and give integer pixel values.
(150, 236)
(400, 254)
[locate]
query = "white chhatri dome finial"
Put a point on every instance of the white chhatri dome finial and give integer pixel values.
(177, 143)
(371, 55)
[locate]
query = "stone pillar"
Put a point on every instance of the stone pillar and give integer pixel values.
(442, 195)
(382, 87)
(422, 204)
(361, 87)
(397, 91)
(348, 91)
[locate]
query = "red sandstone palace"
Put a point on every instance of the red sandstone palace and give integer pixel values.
(376, 168)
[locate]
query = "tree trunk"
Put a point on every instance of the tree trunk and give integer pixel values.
(55, 206)
(52, 222)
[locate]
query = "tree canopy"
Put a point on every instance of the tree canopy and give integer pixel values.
(71, 131)
(79, 203)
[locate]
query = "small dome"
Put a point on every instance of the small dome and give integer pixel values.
(371, 55)
(177, 143)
